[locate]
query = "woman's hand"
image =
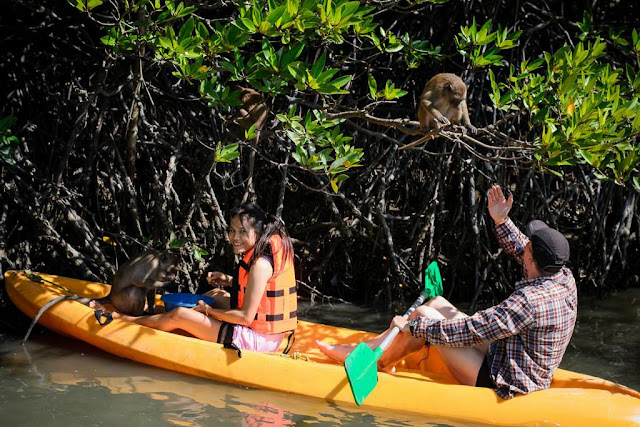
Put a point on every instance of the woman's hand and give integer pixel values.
(202, 307)
(216, 278)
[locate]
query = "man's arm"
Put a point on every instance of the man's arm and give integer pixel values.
(512, 240)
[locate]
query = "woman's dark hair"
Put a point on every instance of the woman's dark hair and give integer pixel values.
(265, 226)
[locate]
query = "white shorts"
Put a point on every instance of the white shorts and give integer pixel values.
(247, 339)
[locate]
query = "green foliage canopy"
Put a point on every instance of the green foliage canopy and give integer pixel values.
(580, 108)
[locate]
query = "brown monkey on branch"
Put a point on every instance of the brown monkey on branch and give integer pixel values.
(254, 111)
(443, 101)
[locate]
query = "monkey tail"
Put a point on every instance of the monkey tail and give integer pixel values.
(54, 302)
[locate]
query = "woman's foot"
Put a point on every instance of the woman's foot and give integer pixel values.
(96, 305)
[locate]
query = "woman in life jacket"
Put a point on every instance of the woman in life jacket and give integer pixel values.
(258, 306)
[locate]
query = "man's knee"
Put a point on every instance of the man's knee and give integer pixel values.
(438, 302)
(428, 312)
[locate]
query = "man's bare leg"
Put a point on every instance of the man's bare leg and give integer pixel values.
(450, 311)
(400, 347)
(339, 352)
(464, 363)
(445, 308)
(96, 305)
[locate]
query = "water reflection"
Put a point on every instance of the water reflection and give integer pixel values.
(606, 340)
(58, 381)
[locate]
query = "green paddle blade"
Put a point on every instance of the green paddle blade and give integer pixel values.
(432, 280)
(361, 366)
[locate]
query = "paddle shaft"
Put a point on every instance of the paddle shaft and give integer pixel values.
(389, 338)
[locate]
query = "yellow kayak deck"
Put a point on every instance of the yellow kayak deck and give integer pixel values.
(422, 383)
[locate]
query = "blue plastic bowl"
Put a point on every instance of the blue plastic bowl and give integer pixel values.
(172, 301)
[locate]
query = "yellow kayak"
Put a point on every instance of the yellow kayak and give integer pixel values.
(422, 383)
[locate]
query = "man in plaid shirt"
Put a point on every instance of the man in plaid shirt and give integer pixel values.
(513, 347)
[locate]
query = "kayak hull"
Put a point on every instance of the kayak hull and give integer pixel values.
(422, 383)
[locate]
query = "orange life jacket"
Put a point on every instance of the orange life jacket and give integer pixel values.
(278, 307)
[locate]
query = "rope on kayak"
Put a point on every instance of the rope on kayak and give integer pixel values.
(296, 355)
(38, 279)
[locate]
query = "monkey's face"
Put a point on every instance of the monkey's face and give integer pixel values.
(242, 235)
(457, 94)
(168, 267)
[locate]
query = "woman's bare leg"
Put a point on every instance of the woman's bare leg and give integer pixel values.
(197, 324)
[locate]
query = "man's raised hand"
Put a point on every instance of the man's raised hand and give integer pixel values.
(499, 207)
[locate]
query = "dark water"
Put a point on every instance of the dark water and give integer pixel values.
(58, 381)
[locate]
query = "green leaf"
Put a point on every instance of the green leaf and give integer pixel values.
(318, 66)
(186, 11)
(276, 14)
(334, 185)
(341, 81)
(291, 55)
(227, 154)
(373, 86)
(176, 243)
(248, 24)
(187, 29)
(6, 124)
(87, 5)
(331, 90)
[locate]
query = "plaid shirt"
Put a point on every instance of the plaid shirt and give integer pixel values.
(530, 330)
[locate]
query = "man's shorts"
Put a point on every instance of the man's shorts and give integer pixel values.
(484, 375)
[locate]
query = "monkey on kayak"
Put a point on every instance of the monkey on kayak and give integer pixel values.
(134, 283)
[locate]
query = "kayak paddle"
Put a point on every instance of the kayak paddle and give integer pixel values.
(361, 364)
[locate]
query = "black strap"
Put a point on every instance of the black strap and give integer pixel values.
(225, 337)
(99, 313)
(235, 286)
(235, 282)
(290, 341)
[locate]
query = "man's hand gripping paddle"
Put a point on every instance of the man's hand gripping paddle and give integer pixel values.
(361, 364)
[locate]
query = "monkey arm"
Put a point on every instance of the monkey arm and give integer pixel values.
(150, 284)
(465, 118)
(429, 106)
